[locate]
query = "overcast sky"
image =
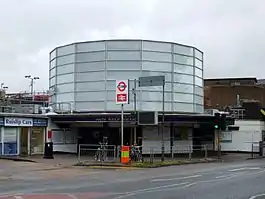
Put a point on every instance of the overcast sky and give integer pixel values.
(230, 33)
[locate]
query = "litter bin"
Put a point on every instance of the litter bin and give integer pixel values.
(48, 150)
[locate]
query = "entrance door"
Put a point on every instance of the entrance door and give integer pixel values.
(37, 140)
(24, 135)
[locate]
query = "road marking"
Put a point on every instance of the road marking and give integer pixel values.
(189, 185)
(18, 197)
(72, 196)
(256, 196)
(180, 178)
(127, 194)
(238, 169)
(224, 176)
(245, 168)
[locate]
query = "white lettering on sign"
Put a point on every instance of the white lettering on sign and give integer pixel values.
(122, 92)
(10, 121)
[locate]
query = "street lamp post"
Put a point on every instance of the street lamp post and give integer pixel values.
(32, 79)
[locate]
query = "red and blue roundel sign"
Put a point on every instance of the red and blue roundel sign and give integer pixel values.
(122, 86)
(122, 92)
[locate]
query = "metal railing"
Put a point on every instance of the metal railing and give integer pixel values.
(111, 153)
(177, 153)
(96, 152)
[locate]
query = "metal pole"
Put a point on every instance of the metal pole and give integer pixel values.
(163, 121)
(31, 91)
(121, 126)
(219, 145)
(135, 103)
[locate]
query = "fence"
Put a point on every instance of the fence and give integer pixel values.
(111, 153)
(100, 153)
(176, 153)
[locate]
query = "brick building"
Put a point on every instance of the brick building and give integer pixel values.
(230, 93)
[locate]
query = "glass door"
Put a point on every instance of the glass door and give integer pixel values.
(24, 135)
(37, 140)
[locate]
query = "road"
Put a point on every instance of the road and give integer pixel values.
(241, 180)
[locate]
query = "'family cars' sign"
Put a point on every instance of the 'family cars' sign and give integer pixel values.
(10, 121)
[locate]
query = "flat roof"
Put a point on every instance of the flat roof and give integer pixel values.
(106, 40)
(23, 115)
(118, 113)
(234, 78)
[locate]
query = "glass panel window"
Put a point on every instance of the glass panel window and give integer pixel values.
(181, 78)
(65, 78)
(198, 99)
(68, 59)
(155, 96)
(168, 87)
(123, 75)
(123, 65)
(156, 66)
(111, 85)
(92, 66)
(65, 97)
(198, 63)
(199, 90)
(157, 46)
(183, 88)
(52, 63)
(90, 76)
(90, 96)
(90, 86)
(65, 50)
(168, 76)
(198, 81)
(90, 106)
(181, 59)
(53, 54)
(198, 72)
(124, 55)
(183, 107)
(64, 88)
(156, 56)
(90, 57)
(153, 106)
(198, 54)
(182, 97)
(90, 46)
(68, 68)
(184, 50)
(178, 68)
(52, 81)
(53, 72)
(199, 108)
(124, 45)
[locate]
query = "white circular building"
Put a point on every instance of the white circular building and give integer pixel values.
(83, 75)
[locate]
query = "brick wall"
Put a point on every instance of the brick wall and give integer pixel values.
(225, 95)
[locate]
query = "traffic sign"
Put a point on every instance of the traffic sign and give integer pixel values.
(122, 92)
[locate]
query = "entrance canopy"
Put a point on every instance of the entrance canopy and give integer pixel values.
(130, 118)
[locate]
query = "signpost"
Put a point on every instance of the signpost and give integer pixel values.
(122, 97)
(157, 81)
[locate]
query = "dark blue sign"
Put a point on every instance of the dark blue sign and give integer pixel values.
(40, 122)
(1, 121)
(10, 148)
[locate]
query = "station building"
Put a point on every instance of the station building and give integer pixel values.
(82, 85)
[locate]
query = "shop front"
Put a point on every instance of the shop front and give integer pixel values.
(22, 135)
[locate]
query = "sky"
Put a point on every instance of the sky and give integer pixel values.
(230, 33)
